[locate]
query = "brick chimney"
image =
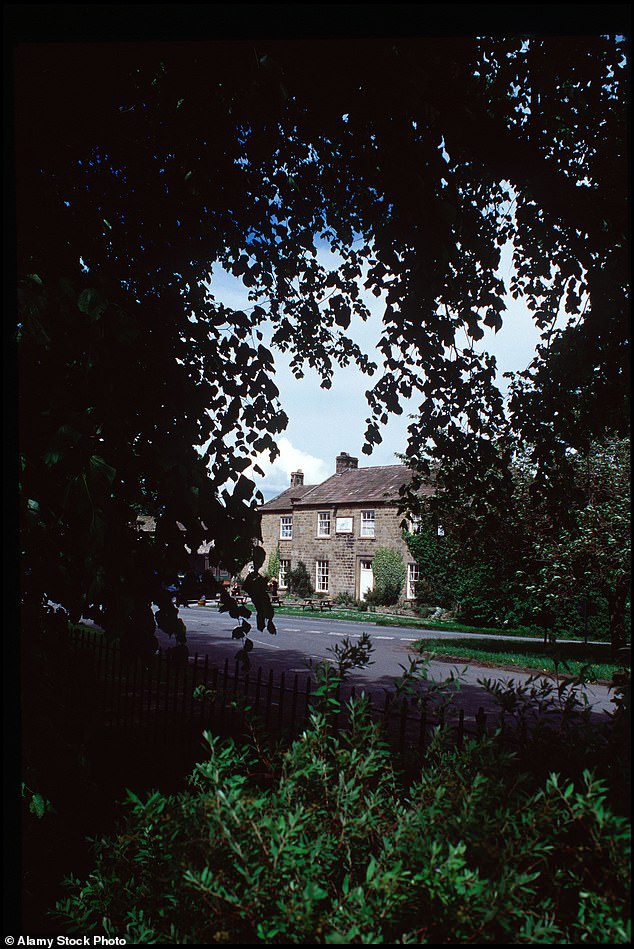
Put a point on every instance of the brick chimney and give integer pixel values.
(297, 478)
(346, 462)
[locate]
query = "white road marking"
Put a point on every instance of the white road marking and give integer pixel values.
(386, 637)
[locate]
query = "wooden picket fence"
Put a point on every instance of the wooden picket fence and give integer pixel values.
(168, 703)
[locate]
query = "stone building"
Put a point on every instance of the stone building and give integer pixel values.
(336, 527)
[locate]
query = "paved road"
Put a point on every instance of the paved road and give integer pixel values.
(301, 639)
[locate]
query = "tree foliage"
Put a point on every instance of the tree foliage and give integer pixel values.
(299, 581)
(334, 848)
(388, 568)
(162, 162)
(522, 555)
(273, 565)
(592, 554)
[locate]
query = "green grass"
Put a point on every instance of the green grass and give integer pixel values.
(567, 658)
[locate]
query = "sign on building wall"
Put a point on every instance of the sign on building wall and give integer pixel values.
(344, 525)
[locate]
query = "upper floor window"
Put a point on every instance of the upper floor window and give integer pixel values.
(321, 576)
(415, 521)
(323, 524)
(286, 527)
(367, 523)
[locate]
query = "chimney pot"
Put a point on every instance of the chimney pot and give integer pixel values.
(346, 462)
(297, 478)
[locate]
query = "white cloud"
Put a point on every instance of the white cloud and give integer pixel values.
(277, 476)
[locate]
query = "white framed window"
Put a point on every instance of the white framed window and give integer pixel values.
(367, 523)
(285, 569)
(413, 576)
(415, 521)
(286, 527)
(323, 523)
(321, 576)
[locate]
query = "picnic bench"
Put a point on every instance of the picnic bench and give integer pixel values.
(317, 604)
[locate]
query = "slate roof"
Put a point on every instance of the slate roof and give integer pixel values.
(354, 486)
(284, 501)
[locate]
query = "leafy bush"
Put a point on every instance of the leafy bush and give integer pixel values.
(299, 581)
(273, 565)
(482, 594)
(344, 599)
(434, 556)
(388, 568)
(372, 599)
(327, 845)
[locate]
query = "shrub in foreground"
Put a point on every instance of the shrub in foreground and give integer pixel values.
(327, 846)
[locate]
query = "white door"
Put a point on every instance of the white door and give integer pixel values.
(366, 578)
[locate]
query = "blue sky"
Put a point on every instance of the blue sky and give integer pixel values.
(325, 422)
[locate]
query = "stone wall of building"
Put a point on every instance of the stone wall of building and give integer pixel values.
(342, 551)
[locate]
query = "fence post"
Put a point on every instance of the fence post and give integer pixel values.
(280, 710)
(422, 728)
(258, 685)
(189, 691)
(132, 699)
(307, 703)
(269, 691)
(203, 697)
(168, 672)
(460, 734)
(100, 665)
(116, 698)
(481, 722)
(212, 707)
(225, 677)
(294, 704)
(236, 674)
(157, 691)
(139, 703)
(403, 725)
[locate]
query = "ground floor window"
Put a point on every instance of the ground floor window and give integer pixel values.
(321, 576)
(413, 576)
(285, 569)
